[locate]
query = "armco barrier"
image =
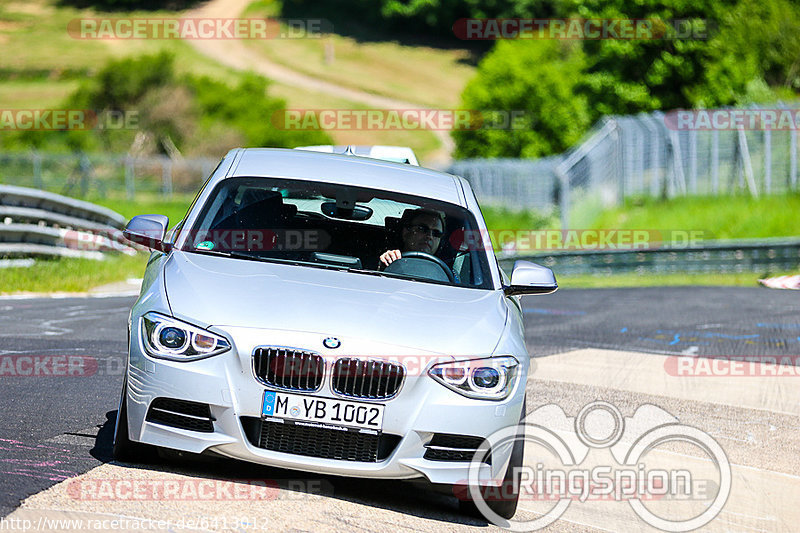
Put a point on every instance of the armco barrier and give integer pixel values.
(761, 256)
(13, 196)
(40, 223)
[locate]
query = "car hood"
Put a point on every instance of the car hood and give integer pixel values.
(219, 291)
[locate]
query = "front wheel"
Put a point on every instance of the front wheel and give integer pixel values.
(124, 448)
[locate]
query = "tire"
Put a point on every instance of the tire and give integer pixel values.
(505, 507)
(124, 449)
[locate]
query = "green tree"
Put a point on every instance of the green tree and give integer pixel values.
(187, 114)
(538, 78)
(247, 109)
(755, 56)
(734, 52)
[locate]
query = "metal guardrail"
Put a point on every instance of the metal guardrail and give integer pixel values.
(42, 250)
(746, 255)
(14, 196)
(40, 223)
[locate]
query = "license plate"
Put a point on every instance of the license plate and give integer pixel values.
(322, 410)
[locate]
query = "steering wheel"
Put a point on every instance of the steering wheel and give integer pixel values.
(430, 257)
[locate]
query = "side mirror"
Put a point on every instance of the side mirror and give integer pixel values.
(148, 230)
(530, 278)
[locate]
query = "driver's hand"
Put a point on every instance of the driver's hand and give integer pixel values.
(389, 256)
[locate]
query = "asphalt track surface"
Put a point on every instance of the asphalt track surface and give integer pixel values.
(53, 428)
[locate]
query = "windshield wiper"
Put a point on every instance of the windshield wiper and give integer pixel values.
(298, 262)
(251, 257)
(371, 272)
(233, 255)
(208, 252)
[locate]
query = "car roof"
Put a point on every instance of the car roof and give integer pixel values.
(346, 170)
(395, 154)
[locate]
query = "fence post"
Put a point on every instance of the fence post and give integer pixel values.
(166, 176)
(656, 146)
(768, 161)
(744, 152)
(693, 161)
(793, 159)
(130, 187)
(37, 170)
(623, 169)
(208, 166)
(678, 177)
(715, 161)
(563, 178)
(86, 168)
(639, 188)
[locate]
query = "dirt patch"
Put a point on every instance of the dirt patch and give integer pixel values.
(29, 8)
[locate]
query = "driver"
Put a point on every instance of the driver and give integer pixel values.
(422, 231)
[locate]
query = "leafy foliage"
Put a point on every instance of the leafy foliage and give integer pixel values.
(535, 77)
(737, 52)
(430, 17)
(165, 112)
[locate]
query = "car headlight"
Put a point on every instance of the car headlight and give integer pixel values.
(485, 379)
(168, 338)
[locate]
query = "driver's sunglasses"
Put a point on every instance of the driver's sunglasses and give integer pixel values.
(422, 228)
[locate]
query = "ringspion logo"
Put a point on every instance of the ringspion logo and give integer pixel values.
(633, 472)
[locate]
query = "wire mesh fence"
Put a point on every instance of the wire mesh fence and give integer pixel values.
(514, 183)
(653, 155)
(702, 152)
(99, 175)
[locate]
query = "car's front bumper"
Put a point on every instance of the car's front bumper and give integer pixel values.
(227, 384)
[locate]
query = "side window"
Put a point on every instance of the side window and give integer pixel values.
(463, 267)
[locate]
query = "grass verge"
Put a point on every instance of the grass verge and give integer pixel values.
(728, 217)
(739, 279)
(426, 75)
(81, 275)
(32, 33)
(71, 275)
(175, 208)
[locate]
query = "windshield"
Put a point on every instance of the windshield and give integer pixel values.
(324, 225)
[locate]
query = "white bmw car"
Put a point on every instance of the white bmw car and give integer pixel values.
(331, 314)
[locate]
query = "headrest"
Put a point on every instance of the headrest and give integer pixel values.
(266, 199)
